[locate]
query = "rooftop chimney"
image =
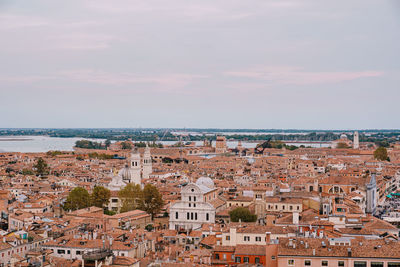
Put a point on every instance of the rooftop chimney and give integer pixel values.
(295, 218)
(349, 252)
(268, 237)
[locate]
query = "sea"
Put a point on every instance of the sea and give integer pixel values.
(34, 144)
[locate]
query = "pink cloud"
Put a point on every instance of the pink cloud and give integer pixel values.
(296, 76)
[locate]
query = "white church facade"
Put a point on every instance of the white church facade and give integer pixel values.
(193, 209)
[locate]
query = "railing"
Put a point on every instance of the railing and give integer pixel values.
(97, 255)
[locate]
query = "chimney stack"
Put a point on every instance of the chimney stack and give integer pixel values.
(295, 218)
(349, 252)
(268, 237)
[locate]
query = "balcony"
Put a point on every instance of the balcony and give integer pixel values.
(97, 255)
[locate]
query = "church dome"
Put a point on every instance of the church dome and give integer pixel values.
(126, 173)
(206, 181)
(343, 136)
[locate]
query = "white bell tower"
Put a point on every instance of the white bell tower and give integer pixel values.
(147, 163)
(136, 168)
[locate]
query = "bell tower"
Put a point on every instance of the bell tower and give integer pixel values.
(356, 141)
(147, 163)
(135, 166)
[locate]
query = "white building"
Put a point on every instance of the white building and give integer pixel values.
(134, 171)
(193, 210)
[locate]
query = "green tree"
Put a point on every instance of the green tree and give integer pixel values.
(381, 154)
(27, 172)
(151, 200)
(78, 198)
(149, 227)
(243, 214)
(41, 167)
(131, 196)
(100, 196)
(107, 143)
(89, 144)
(126, 145)
(110, 212)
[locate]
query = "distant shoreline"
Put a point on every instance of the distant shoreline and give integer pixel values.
(14, 139)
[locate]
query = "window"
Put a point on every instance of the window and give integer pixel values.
(227, 237)
(376, 264)
(207, 217)
(307, 263)
(187, 216)
(68, 251)
(217, 256)
(224, 256)
(190, 205)
(191, 215)
(273, 258)
(360, 264)
(114, 200)
(256, 260)
(194, 198)
(190, 198)
(246, 238)
(324, 263)
(393, 264)
(195, 216)
(237, 259)
(61, 251)
(78, 252)
(176, 215)
(245, 259)
(258, 238)
(290, 262)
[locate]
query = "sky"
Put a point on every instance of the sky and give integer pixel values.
(301, 64)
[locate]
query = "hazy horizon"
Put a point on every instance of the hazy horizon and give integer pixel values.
(286, 64)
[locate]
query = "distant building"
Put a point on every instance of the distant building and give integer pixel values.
(371, 195)
(194, 208)
(220, 145)
(343, 140)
